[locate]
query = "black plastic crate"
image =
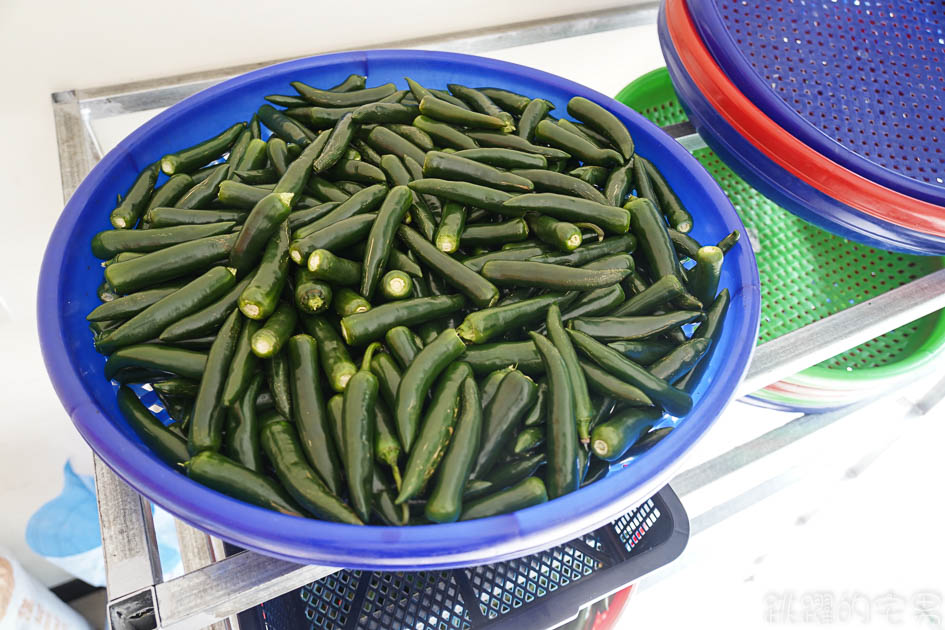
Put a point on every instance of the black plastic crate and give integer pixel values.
(535, 592)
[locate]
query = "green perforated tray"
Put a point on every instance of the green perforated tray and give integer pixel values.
(807, 273)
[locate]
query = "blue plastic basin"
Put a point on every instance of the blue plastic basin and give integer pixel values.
(70, 275)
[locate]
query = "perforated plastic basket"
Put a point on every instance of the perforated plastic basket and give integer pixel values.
(808, 274)
(535, 592)
(784, 168)
(860, 81)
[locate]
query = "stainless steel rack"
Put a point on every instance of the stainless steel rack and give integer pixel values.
(215, 586)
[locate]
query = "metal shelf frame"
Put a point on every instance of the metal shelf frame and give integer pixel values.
(215, 587)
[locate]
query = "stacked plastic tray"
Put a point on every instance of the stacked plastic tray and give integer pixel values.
(807, 274)
(833, 109)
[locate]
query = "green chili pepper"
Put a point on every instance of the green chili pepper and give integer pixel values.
(478, 289)
(632, 327)
(583, 409)
(436, 108)
(509, 101)
(450, 229)
(726, 243)
(486, 324)
(308, 411)
(348, 302)
(281, 443)
(501, 419)
(534, 112)
(562, 474)
(550, 181)
(490, 384)
(526, 493)
(169, 446)
(675, 401)
(437, 428)
(260, 298)
(677, 216)
(403, 344)
(263, 221)
(206, 425)
(711, 329)
(704, 277)
(329, 98)
(446, 500)
(455, 167)
(677, 363)
(593, 175)
(566, 208)
(650, 229)
(135, 202)
(561, 235)
(361, 328)
(417, 379)
(396, 285)
(380, 239)
(488, 357)
(242, 365)
(336, 145)
(359, 427)
(659, 295)
(578, 146)
(283, 126)
(333, 354)
(269, 339)
(361, 202)
(611, 439)
(159, 357)
(601, 120)
(242, 432)
(279, 381)
(194, 157)
(152, 320)
(491, 234)
(481, 103)
(226, 476)
(549, 276)
(312, 296)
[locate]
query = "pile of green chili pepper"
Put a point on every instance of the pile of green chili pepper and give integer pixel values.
(406, 306)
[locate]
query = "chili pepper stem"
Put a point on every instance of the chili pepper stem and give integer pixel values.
(368, 355)
(592, 226)
(395, 472)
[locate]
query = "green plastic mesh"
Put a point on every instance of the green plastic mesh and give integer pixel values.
(886, 349)
(806, 273)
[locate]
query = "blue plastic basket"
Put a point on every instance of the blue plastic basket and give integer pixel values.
(860, 81)
(70, 275)
(775, 182)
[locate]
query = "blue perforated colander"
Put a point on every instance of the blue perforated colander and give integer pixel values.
(806, 181)
(860, 81)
